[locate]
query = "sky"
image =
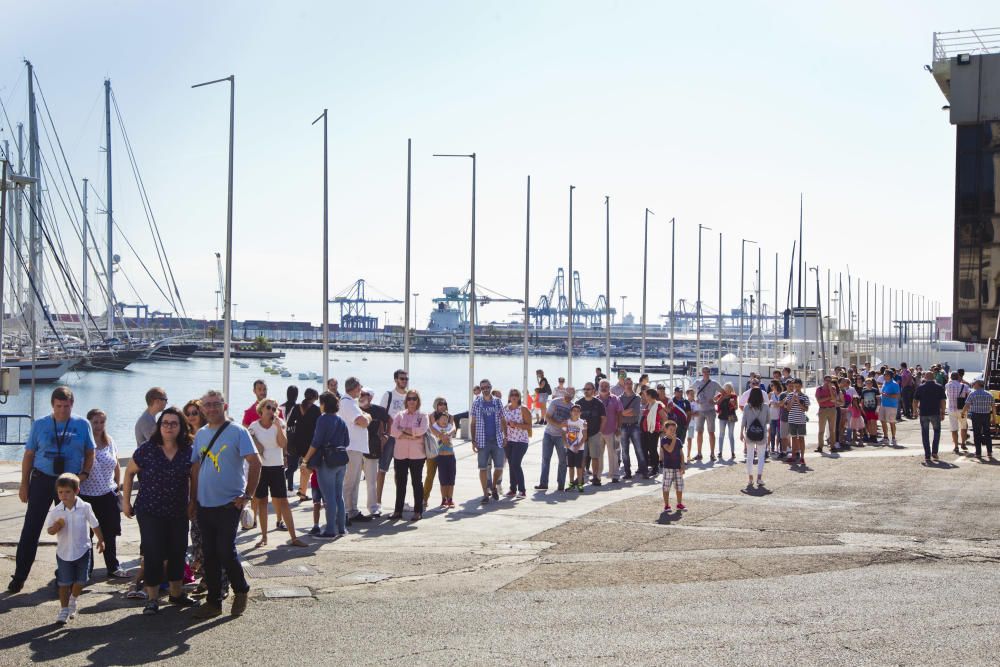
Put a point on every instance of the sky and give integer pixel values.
(718, 114)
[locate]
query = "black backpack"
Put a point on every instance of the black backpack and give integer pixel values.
(755, 430)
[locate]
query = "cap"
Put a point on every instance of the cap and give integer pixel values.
(678, 389)
(368, 390)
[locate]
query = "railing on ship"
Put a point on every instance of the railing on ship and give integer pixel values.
(973, 42)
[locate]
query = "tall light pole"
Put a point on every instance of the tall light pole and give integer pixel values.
(697, 305)
(645, 273)
(607, 285)
(673, 249)
(527, 270)
(228, 287)
(743, 244)
(760, 331)
(406, 287)
(719, 341)
(472, 277)
(822, 344)
(326, 251)
(572, 285)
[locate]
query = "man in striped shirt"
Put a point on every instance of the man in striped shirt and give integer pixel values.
(979, 406)
(797, 404)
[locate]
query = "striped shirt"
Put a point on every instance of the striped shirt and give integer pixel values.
(954, 390)
(980, 402)
(797, 409)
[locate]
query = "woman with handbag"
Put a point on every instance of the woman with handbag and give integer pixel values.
(102, 489)
(410, 453)
(727, 402)
(327, 455)
(301, 426)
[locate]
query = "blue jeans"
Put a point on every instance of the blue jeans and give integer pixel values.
(331, 483)
(550, 443)
(726, 425)
(491, 452)
(630, 432)
(927, 422)
(69, 572)
(516, 450)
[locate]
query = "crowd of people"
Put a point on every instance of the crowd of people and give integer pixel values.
(203, 476)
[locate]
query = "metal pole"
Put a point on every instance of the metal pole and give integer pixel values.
(673, 263)
(527, 269)
(326, 252)
(474, 310)
(228, 287)
(697, 306)
(826, 367)
(607, 285)
(774, 352)
(406, 287)
(36, 275)
(760, 334)
(719, 333)
(3, 247)
(18, 219)
(572, 286)
(110, 325)
(645, 272)
(800, 253)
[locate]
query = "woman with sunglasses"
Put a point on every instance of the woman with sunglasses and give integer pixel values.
(408, 428)
(518, 420)
(102, 490)
(164, 464)
(271, 440)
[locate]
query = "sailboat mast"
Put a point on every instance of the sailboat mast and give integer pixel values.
(18, 228)
(85, 253)
(110, 266)
(35, 273)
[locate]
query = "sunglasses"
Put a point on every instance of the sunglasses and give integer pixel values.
(270, 408)
(405, 378)
(170, 424)
(192, 414)
(411, 398)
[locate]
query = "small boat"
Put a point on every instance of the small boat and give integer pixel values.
(286, 374)
(242, 364)
(364, 358)
(305, 376)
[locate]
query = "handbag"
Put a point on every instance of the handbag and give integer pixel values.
(430, 446)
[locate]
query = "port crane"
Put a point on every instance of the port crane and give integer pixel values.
(353, 303)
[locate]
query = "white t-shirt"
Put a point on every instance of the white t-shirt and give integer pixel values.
(73, 541)
(268, 439)
(393, 401)
(574, 434)
(349, 411)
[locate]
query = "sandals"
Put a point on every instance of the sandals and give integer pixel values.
(302, 497)
(260, 543)
(297, 543)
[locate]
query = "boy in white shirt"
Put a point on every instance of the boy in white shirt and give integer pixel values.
(576, 440)
(69, 521)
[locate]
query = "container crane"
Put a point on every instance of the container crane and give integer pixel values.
(353, 303)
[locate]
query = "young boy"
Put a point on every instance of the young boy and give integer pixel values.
(69, 521)
(317, 498)
(673, 465)
(576, 440)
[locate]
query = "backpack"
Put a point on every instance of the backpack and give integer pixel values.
(755, 430)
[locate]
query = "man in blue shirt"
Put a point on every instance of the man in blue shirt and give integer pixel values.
(890, 406)
(61, 442)
(222, 486)
(487, 426)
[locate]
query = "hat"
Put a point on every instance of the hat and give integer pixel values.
(678, 389)
(368, 390)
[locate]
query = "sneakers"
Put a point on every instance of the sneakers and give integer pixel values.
(510, 494)
(614, 480)
(542, 487)
(120, 574)
(579, 487)
(666, 508)
(315, 530)
(72, 607)
(239, 604)
(485, 500)
(152, 608)
(62, 616)
(182, 600)
(681, 507)
(596, 482)
(15, 586)
(521, 495)
(893, 442)
(280, 526)
(496, 496)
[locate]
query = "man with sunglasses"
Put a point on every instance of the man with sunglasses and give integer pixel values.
(487, 427)
(592, 412)
(393, 401)
(156, 401)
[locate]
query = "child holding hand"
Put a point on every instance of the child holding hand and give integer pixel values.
(69, 521)
(576, 439)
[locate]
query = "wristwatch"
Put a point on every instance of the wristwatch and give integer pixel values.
(246, 496)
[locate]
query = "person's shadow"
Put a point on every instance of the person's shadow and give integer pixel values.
(756, 491)
(133, 640)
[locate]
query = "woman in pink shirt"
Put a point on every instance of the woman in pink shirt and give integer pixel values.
(408, 427)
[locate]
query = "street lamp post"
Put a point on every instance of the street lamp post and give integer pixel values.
(645, 273)
(740, 350)
(472, 277)
(572, 284)
(673, 248)
(406, 287)
(697, 305)
(326, 251)
(228, 287)
(607, 285)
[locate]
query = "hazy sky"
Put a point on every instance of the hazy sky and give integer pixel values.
(716, 113)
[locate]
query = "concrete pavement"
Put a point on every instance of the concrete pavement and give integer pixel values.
(866, 557)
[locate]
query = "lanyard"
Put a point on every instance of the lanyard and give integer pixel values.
(60, 437)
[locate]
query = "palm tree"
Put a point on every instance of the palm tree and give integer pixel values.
(212, 331)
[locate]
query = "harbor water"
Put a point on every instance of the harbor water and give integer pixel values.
(122, 394)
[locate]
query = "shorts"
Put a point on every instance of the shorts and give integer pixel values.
(700, 419)
(870, 415)
(543, 399)
(956, 421)
(796, 430)
(69, 572)
(272, 479)
(674, 477)
(783, 430)
(691, 430)
(887, 414)
(446, 465)
(490, 452)
(385, 461)
(574, 459)
(595, 446)
(317, 495)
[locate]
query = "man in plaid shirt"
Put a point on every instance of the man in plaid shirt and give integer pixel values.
(979, 406)
(957, 391)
